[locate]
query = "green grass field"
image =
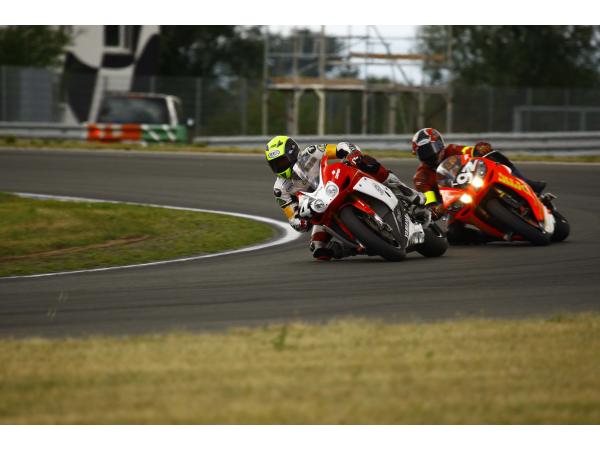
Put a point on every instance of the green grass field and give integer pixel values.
(534, 371)
(39, 236)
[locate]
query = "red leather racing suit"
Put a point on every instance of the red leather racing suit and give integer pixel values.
(425, 177)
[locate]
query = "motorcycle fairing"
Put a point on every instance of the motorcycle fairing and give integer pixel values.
(376, 190)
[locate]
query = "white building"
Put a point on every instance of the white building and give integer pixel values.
(106, 58)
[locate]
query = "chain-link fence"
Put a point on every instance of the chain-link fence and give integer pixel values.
(519, 109)
(29, 94)
(233, 106)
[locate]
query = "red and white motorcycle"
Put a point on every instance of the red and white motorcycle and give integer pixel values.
(363, 214)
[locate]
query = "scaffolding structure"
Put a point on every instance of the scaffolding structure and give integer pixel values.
(296, 84)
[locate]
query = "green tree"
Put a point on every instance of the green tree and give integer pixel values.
(520, 56)
(209, 51)
(32, 45)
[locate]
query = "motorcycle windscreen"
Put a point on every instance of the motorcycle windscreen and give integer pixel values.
(448, 170)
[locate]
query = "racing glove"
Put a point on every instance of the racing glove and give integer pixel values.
(482, 149)
(343, 149)
(419, 199)
(301, 225)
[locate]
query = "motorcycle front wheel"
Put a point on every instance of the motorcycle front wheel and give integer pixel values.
(514, 223)
(561, 227)
(368, 237)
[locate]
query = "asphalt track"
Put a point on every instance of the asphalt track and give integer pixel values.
(284, 283)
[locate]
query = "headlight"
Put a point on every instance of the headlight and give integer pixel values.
(331, 190)
(466, 198)
(477, 182)
(318, 206)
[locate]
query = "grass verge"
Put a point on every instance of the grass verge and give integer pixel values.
(39, 236)
(202, 148)
(345, 372)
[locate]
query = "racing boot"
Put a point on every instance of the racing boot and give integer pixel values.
(323, 254)
(341, 251)
(333, 250)
(537, 186)
(321, 250)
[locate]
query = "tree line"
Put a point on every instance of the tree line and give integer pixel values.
(507, 55)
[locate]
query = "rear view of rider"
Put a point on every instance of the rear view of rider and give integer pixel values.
(298, 170)
(428, 145)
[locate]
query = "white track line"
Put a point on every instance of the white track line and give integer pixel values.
(289, 234)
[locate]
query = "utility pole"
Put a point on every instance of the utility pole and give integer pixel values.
(450, 94)
(365, 94)
(421, 107)
(392, 107)
(198, 108)
(243, 106)
(321, 92)
(265, 93)
(4, 91)
(297, 93)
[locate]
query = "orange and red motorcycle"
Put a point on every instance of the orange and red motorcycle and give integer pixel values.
(483, 193)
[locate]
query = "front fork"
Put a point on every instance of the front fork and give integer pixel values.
(547, 201)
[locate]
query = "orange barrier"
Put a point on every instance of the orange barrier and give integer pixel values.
(114, 133)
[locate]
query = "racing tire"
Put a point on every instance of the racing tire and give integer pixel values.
(562, 228)
(514, 223)
(435, 243)
(369, 238)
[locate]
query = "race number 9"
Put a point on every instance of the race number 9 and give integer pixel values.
(464, 178)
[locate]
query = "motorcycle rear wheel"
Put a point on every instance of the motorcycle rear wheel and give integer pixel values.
(369, 238)
(435, 243)
(516, 224)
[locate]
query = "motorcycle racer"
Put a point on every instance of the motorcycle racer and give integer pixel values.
(300, 170)
(429, 147)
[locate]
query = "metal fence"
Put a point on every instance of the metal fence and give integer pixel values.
(29, 94)
(573, 142)
(232, 106)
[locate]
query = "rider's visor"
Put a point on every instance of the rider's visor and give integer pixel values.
(428, 153)
(279, 165)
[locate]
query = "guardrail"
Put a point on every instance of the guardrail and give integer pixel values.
(94, 132)
(552, 141)
(42, 130)
(547, 141)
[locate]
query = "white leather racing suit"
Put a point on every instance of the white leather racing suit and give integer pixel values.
(305, 177)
